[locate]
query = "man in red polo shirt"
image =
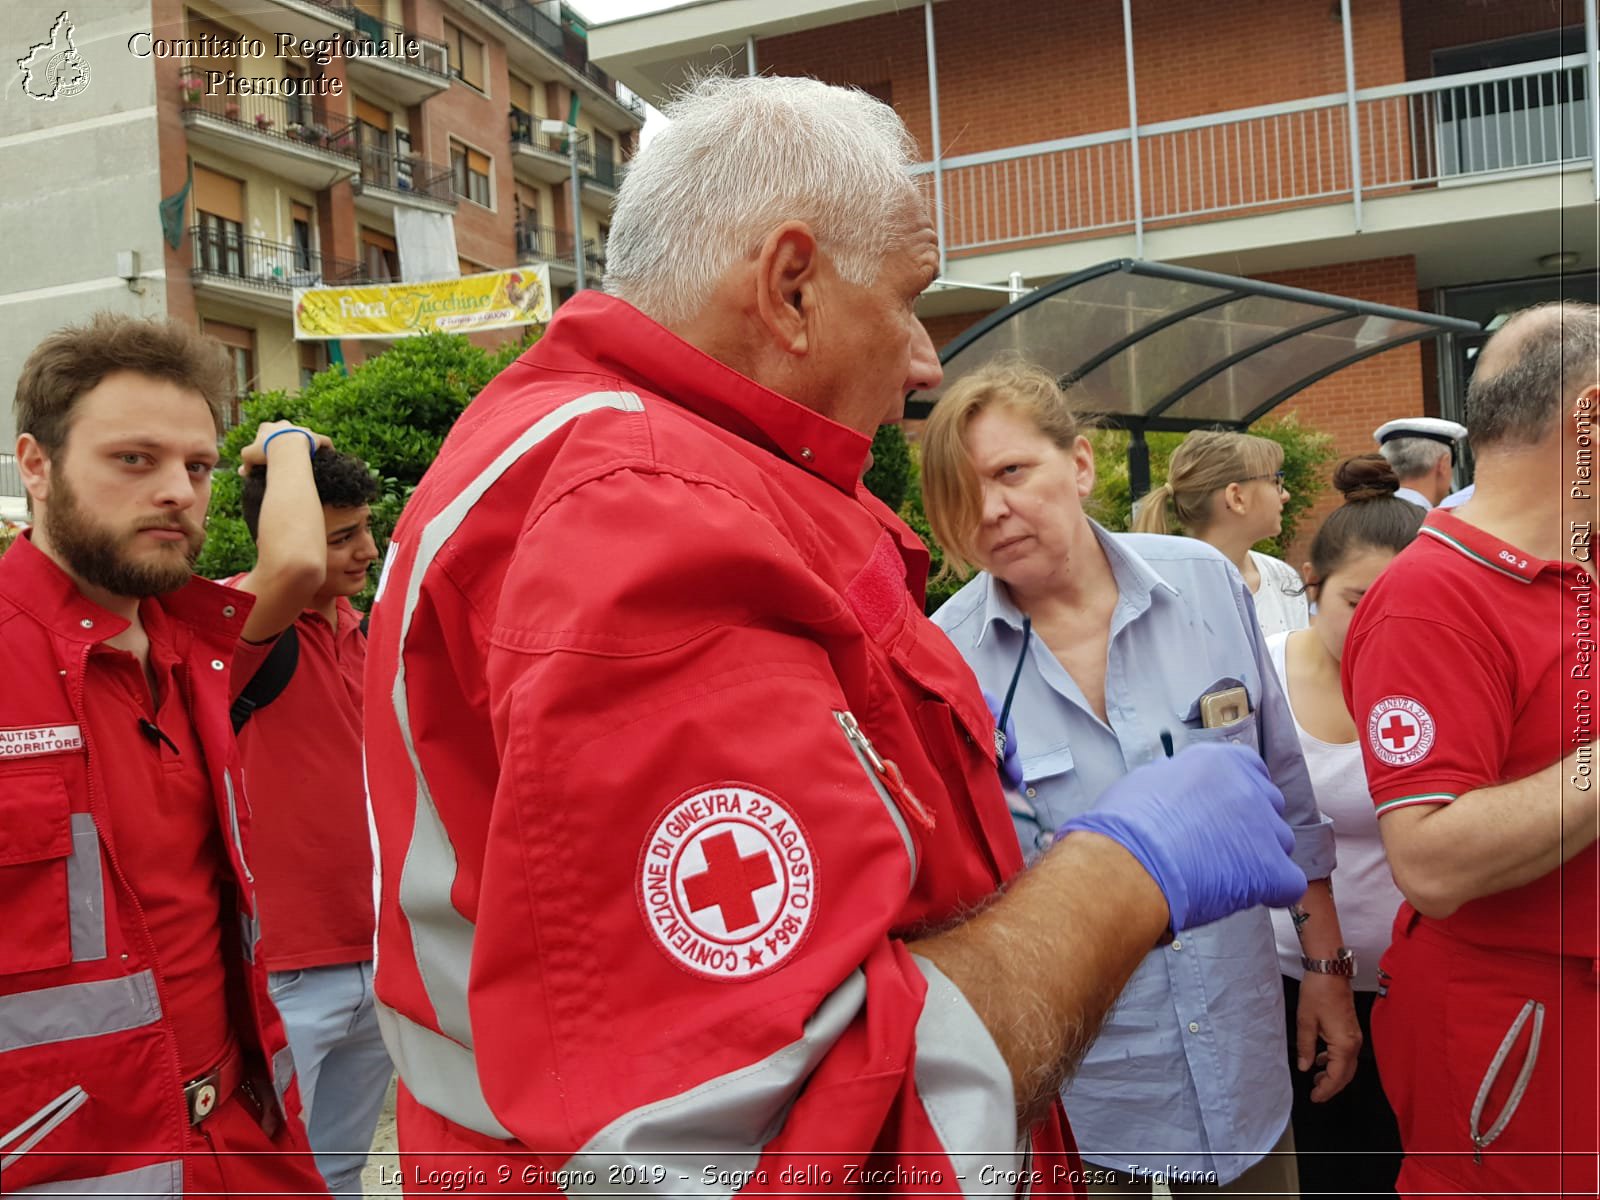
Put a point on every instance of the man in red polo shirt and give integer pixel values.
(1470, 665)
(139, 1052)
(306, 506)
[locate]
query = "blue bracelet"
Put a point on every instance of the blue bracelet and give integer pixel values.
(311, 440)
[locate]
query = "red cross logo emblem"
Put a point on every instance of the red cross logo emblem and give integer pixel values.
(728, 882)
(1400, 731)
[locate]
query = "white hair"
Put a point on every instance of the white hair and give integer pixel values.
(1413, 456)
(740, 156)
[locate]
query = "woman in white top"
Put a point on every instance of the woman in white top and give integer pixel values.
(1355, 543)
(1227, 490)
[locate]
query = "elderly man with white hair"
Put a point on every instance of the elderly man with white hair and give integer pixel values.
(1422, 451)
(691, 840)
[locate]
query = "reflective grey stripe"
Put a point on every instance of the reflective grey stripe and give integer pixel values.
(883, 794)
(86, 907)
(37, 1127)
(965, 1085)
(1536, 1010)
(249, 935)
(441, 1074)
(77, 1010)
(161, 1179)
(282, 1072)
(721, 1125)
(233, 822)
(441, 938)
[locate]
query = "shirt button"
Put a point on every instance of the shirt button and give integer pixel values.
(86, 623)
(1031, 793)
(1194, 1026)
(805, 453)
(1177, 943)
(228, 610)
(217, 664)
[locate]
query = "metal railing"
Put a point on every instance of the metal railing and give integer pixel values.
(549, 244)
(525, 132)
(548, 36)
(384, 170)
(10, 477)
(303, 120)
(431, 56)
(607, 172)
(221, 253)
(1422, 134)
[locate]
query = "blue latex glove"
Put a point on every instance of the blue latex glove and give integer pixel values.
(1208, 826)
(1009, 757)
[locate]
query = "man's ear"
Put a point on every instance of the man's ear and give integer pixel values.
(786, 274)
(33, 464)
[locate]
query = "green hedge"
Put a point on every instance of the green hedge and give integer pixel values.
(392, 411)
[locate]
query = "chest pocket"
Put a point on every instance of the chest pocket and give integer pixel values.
(1051, 793)
(35, 847)
(1241, 733)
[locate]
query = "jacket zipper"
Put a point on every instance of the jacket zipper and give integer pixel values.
(90, 755)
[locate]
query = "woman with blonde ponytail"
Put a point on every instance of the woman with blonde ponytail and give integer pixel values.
(1226, 489)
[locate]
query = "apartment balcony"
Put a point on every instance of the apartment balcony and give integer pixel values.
(13, 499)
(537, 157)
(602, 176)
(407, 77)
(259, 274)
(387, 179)
(295, 137)
(1428, 163)
(542, 243)
(539, 44)
(298, 18)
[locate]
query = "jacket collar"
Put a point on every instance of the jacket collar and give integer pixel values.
(595, 329)
(32, 581)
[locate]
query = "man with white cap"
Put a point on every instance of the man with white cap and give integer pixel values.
(1422, 451)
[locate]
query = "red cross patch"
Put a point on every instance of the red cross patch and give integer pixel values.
(1400, 731)
(727, 882)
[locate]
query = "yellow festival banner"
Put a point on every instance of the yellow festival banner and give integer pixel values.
(471, 304)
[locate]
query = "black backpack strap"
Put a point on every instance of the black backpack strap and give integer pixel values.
(271, 677)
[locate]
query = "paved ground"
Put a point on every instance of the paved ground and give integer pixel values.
(381, 1178)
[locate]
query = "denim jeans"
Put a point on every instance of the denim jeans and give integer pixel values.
(341, 1063)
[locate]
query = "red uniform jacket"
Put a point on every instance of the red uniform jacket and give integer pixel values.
(666, 765)
(89, 1084)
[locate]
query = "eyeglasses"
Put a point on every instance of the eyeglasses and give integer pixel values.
(1276, 477)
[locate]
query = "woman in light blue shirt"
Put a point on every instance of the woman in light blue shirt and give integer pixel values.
(1130, 634)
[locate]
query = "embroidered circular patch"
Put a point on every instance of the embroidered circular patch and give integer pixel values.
(728, 882)
(1400, 731)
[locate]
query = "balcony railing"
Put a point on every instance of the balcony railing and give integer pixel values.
(219, 253)
(1423, 134)
(548, 36)
(525, 132)
(384, 170)
(10, 477)
(431, 56)
(304, 120)
(607, 172)
(552, 245)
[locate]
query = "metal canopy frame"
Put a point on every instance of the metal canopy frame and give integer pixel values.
(1155, 410)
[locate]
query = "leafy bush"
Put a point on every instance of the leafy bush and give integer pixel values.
(392, 411)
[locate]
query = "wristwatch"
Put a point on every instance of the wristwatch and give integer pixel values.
(1343, 963)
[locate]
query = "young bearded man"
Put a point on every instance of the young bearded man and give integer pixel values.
(139, 1052)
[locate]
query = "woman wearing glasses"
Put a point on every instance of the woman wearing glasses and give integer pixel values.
(1114, 649)
(1227, 490)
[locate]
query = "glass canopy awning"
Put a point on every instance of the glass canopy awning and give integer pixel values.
(1150, 346)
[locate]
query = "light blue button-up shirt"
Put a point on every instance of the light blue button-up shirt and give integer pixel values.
(1190, 1068)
